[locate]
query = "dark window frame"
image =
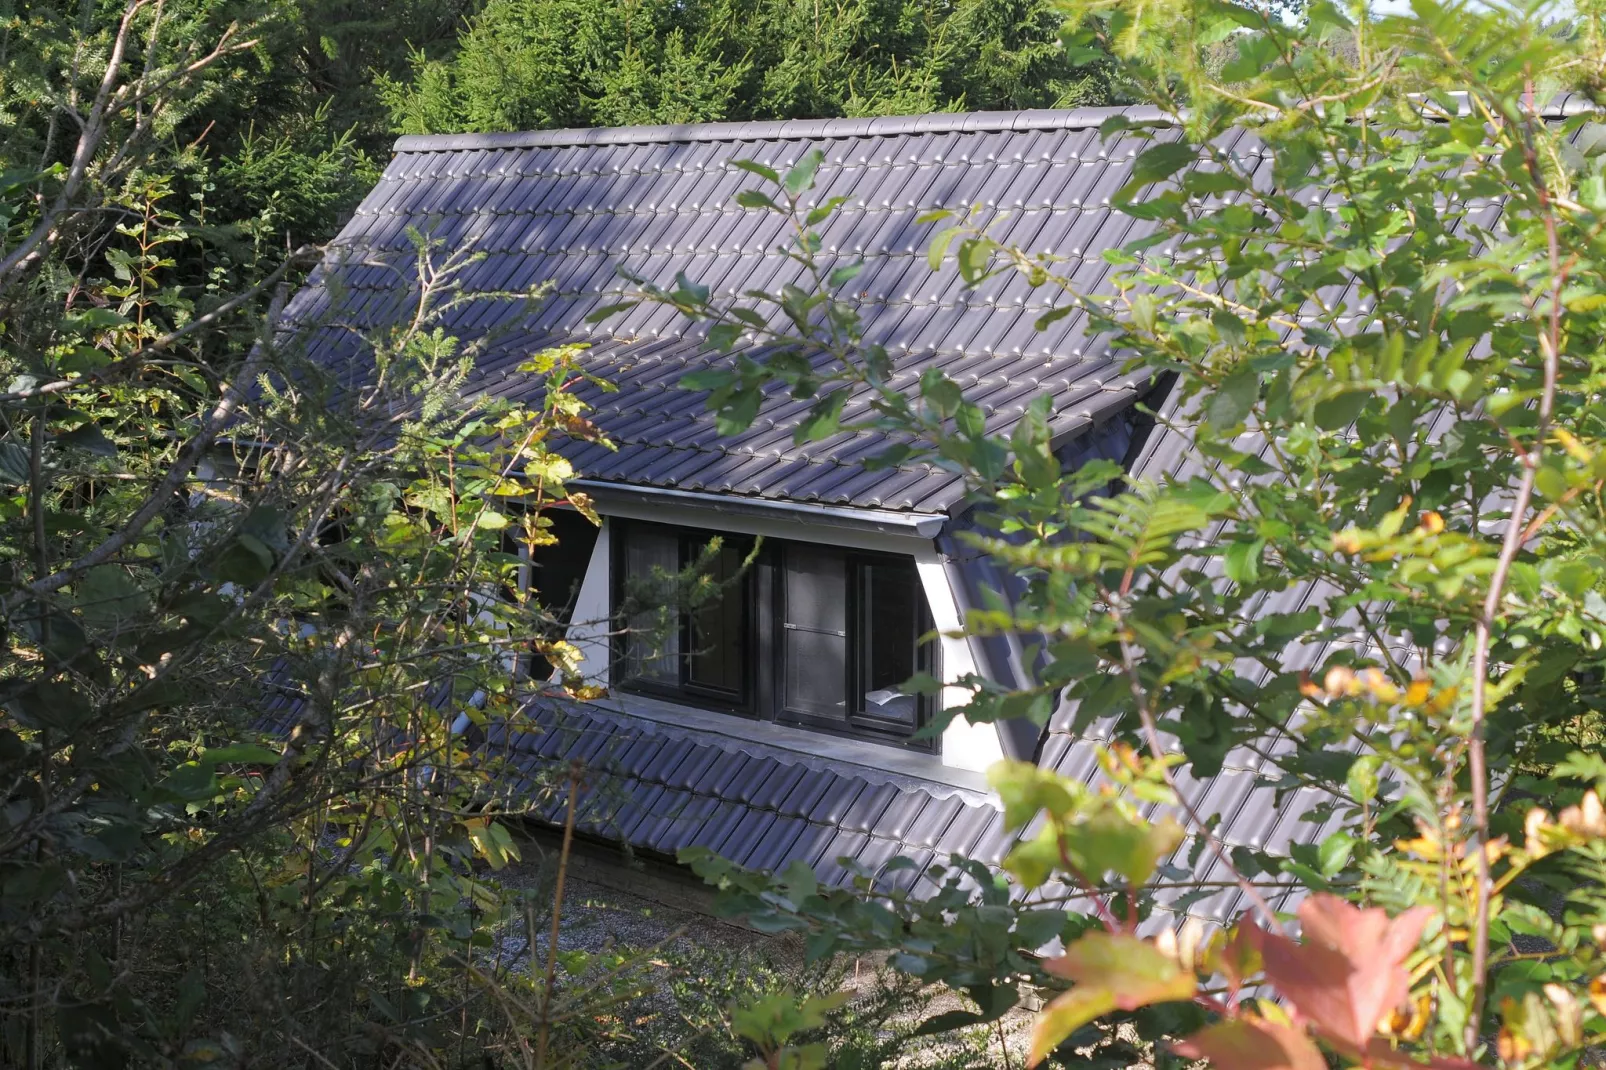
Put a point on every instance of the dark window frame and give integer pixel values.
(925, 657)
(764, 634)
(742, 701)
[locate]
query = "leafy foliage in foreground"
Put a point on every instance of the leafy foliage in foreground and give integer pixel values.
(252, 613)
(245, 611)
(1377, 573)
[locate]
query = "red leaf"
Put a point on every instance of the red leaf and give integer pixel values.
(1331, 921)
(1250, 1043)
(1347, 974)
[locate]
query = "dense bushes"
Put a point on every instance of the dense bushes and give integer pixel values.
(1374, 572)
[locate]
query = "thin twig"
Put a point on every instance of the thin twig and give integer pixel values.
(1516, 527)
(576, 773)
(1151, 733)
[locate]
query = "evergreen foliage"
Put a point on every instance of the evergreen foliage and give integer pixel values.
(539, 64)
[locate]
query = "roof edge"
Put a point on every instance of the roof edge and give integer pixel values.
(801, 129)
(786, 129)
(904, 522)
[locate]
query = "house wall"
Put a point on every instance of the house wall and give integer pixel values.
(964, 746)
(588, 627)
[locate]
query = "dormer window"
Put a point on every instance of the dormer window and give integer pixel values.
(809, 634)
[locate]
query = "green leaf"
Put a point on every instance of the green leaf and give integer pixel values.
(191, 782)
(753, 167)
(1339, 412)
(1026, 788)
(992, 1000)
(1114, 125)
(96, 319)
(737, 414)
(975, 256)
(1334, 853)
(722, 336)
(1233, 399)
(1111, 841)
(1031, 862)
(845, 274)
(1241, 563)
(51, 704)
(1161, 161)
(940, 392)
(1552, 481)
(1202, 183)
(107, 597)
(1229, 327)
(939, 246)
(1051, 316)
(610, 310)
(823, 418)
(801, 176)
(1111, 972)
(90, 439)
(239, 754)
(712, 379)
(13, 464)
(752, 198)
(820, 212)
(1362, 778)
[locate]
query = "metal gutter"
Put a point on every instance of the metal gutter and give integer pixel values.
(882, 521)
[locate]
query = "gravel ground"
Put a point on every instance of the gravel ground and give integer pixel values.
(693, 966)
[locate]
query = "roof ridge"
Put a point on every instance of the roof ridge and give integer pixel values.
(784, 129)
(801, 129)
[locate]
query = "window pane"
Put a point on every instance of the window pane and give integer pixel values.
(552, 576)
(558, 569)
(652, 647)
(719, 629)
(889, 614)
(815, 633)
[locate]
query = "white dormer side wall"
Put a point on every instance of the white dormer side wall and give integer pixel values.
(964, 745)
(589, 623)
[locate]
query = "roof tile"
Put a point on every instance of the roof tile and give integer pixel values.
(576, 208)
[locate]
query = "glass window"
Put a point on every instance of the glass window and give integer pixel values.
(549, 576)
(815, 633)
(805, 633)
(652, 636)
(890, 627)
(702, 652)
(719, 627)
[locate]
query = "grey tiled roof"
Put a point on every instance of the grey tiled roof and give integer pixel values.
(659, 789)
(577, 207)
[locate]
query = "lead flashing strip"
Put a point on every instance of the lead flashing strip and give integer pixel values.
(884, 521)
